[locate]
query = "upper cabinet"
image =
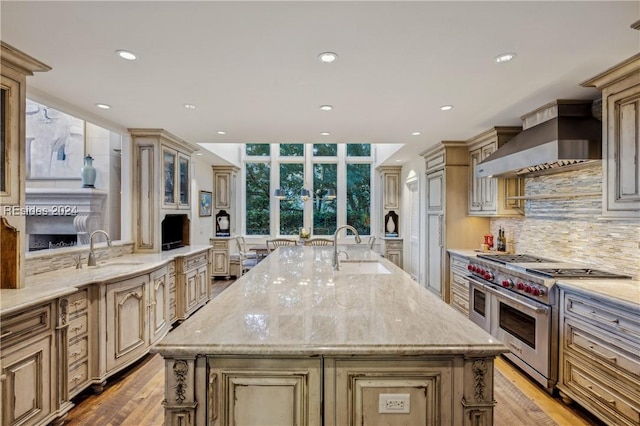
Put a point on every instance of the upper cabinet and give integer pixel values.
(15, 66)
(390, 177)
(492, 196)
(620, 87)
(159, 157)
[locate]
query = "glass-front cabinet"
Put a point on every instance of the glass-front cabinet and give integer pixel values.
(175, 179)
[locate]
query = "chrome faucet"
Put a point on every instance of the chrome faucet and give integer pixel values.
(92, 256)
(336, 260)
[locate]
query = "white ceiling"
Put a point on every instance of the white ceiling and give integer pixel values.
(251, 68)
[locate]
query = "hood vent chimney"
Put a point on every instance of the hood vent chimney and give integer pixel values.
(559, 136)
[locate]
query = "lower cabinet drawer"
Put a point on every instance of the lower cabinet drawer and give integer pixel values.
(78, 326)
(599, 345)
(601, 392)
(77, 350)
(460, 303)
(78, 375)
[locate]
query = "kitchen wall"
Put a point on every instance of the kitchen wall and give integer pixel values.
(202, 180)
(572, 229)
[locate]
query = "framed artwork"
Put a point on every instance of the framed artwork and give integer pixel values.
(55, 143)
(205, 203)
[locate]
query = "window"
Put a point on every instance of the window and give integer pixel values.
(325, 177)
(358, 150)
(359, 197)
(318, 168)
(325, 150)
(291, 150)
(257, 208)
(291, 208)
(258, 149)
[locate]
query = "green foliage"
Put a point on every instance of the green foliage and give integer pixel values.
(359, 197)
(291, 150)
(325, 149)
(358, 150)
(258, 149)
(257, 198)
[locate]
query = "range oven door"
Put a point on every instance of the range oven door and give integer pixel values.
(524, 326)
(479, 304)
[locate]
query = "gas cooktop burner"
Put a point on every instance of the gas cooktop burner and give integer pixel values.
(514, 258)
(575, 273)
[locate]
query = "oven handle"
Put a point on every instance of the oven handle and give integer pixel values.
(536, 309)
(500, 294)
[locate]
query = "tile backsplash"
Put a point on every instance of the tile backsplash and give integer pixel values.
(572, 229)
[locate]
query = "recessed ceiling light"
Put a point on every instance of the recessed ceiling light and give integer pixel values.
(198, 153)
(325, 133)
(327, 57)
(221, 132)
(189, 106)
(125, 54)
(398, 161)
(326, 107)
(446, 107)
(103, 106)
(505, 57)
(416, 134)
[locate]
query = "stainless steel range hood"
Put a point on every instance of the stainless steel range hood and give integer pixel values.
(557, 137)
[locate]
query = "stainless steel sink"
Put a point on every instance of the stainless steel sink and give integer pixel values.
(364, 266)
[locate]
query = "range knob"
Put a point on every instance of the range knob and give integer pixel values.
(470, 267)
(527, 288)
(540, 292)
(488, 275)
(520, 285)
(507, 283)
(535, 291)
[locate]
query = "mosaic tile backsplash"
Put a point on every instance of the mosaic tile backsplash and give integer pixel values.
(572, 229)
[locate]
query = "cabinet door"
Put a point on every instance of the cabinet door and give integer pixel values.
(203, 284)
(158, 305)
(435, 186)
(475, 191)
(26, 388)
(622, 153)
(191, 290)
(391, 191)
(184, 181)
(126, 313)
(169, 165)
(220, 262)
(10, 144)
(488, 186)
(222, 196)
(435, 252)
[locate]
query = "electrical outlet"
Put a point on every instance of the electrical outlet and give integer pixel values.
(394, 403)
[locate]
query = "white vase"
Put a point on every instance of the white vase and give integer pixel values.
(391, 226)
(88, 173)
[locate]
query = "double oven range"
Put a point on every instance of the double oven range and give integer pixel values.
(513, 297)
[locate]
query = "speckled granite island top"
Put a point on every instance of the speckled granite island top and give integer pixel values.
(47, 286)
(294, 303)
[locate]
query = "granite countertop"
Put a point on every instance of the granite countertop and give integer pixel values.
(466, 252)
(621, 291)
(42, 288)
(294, 304)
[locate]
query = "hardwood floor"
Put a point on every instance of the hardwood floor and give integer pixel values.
(134, 398)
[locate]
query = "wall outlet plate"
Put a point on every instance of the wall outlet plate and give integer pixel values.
(394, 403)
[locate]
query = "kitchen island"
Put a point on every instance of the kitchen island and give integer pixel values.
(296, 342)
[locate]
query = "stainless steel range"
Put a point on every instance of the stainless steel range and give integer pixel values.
(513, 297)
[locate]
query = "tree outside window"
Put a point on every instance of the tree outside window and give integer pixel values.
(325, 177)
(257, 219)
(359, 197)
(291, 208)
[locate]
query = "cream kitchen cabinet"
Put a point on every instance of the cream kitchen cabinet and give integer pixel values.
(29, 367)
(393, 249)
(15, 66)
(136, 316)
(220, 257)
(490, 196)
(161, 185)
(459, 286)
(74, 325)
(173, 299)
(448, 225)
(620, 87)
(390, 187)
(599, 356)
(192, 283)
